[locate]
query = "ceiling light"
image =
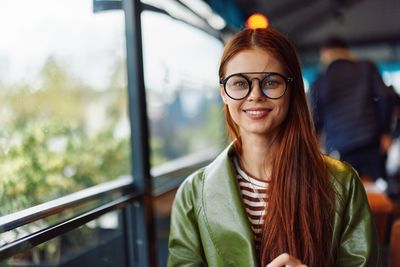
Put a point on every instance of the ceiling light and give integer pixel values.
(257, 20)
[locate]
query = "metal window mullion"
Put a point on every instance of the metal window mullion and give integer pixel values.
(138, 217)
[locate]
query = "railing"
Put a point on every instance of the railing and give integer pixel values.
(46, 234)
(169, 176)
(17, 219)
(166, 177)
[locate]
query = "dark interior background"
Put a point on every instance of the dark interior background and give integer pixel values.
(370, 27)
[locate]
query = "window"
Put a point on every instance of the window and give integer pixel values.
(181, 79)
(63, 104)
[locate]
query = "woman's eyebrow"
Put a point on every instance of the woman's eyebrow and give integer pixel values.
(255, 74)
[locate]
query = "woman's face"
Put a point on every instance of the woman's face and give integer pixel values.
(256, 114)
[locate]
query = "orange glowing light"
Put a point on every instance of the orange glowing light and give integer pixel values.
(257, 21)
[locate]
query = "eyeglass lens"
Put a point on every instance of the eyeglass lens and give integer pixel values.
(271, 85)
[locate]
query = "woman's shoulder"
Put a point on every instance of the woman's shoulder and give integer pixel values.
(340, 171)
(337, 166)
(342, 175)
(212, 175)
(192, 183)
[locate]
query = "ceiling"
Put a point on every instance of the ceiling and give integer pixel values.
(370, 27)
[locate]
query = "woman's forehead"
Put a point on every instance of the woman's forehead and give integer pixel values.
(253, 60)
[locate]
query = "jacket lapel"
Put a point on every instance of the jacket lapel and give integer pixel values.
(225, 214)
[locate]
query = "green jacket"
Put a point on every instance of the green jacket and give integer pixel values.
(209, 225)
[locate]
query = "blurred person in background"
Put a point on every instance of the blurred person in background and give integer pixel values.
(270, 198)
(351, 107)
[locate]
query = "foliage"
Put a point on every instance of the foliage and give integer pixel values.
(51, 159)
(47, 148)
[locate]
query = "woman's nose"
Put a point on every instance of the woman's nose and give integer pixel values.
(255, 91)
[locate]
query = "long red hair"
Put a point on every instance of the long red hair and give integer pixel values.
(301, 203)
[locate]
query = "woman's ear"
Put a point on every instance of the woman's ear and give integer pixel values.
(222, 93)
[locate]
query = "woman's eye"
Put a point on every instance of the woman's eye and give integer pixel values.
(272, 84)
(240, 84)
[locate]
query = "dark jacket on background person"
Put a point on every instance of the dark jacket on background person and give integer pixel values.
(349, 102)
(209, 225)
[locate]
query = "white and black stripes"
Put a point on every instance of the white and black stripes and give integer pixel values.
(254, 195)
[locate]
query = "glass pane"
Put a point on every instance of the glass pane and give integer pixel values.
(97, 243)
(63, 103)
(181, 78)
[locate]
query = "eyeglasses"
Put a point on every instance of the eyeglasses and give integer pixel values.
(238, 86)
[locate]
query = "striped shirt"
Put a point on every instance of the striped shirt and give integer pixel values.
(254, 195)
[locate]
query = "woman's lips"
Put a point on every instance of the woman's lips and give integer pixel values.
(258, 113)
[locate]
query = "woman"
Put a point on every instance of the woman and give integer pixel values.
(270, 199)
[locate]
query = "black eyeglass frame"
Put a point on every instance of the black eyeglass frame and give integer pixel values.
(250, 82)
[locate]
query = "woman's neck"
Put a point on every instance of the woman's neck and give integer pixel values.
(256, 157)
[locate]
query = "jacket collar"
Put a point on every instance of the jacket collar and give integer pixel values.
(224, 211)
